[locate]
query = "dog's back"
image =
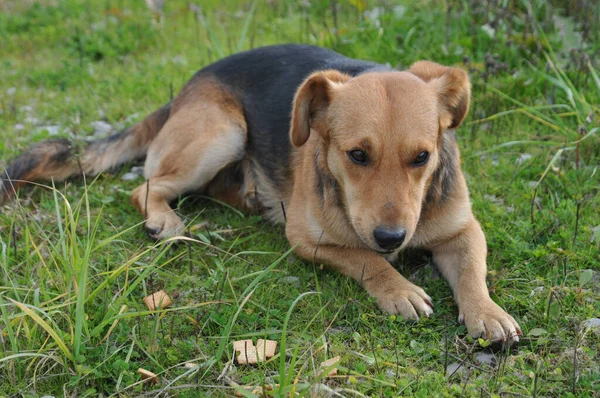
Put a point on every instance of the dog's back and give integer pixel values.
(265, 81)
(261, 81)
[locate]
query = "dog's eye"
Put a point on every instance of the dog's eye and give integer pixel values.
(421, 159)
(358, 156)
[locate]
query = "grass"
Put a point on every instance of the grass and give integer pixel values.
(75, 262)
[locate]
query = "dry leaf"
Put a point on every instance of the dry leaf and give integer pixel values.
(156, 300)
(191, 365)
(148, 376)
(328, 363)
(257, 390)
(265, 348)
(249, 354)
(247, 351)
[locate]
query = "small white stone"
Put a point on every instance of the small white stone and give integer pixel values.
(129, 176)
(52, 129)
(31, 120)
(494, 199)
(523, 158)
(132, 118)
(291, 280)
(454, 368)
(538, 289)
(399, 11)
(592, 323)
(101, 129)
(179, 60)
(486, 358)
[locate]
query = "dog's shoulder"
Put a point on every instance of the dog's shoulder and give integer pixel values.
(265, 80)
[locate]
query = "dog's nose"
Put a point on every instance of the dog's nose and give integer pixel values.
(389, 238)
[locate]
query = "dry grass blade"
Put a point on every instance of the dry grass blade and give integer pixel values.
(57, 339)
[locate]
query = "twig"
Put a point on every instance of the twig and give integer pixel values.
(283, 210)
(397, 360)
(317, 247)
(374, 355)
(209, 235)
(146, 199)
(535, 381)
(446, 344)
(574, 385)
(576, 223)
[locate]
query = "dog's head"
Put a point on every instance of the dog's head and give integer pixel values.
(379, 137)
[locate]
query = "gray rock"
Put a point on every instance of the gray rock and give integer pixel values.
(494, 159)
(31, 120)
(537, 290)
(494, 199)
(454, 369)
(132, 118)
(291, 280)
(399, 11)
(592, 323)
(133, 174)
(523, 158)
(101, 129)
(129, 176)
(486, 358)
(52, 130)
(340, 329)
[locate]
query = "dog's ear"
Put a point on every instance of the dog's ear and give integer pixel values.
(311, 102)
(453, 87)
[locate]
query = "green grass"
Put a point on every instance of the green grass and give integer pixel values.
(75, 262)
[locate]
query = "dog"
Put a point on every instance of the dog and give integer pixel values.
(358, 160)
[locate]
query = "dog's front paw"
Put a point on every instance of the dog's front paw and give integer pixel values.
(487, 320)
(403, 298)
(164, 225)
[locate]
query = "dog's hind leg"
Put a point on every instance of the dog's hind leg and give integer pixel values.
(199, 140)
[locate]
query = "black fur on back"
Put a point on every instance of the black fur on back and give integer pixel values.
(265, 81)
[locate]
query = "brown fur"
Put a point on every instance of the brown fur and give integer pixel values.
(59, 159)
(206, 124)
(392, 116)
(333, 204)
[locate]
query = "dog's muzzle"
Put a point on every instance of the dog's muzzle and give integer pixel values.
(389, 239)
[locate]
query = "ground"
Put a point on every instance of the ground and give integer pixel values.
(76, 263)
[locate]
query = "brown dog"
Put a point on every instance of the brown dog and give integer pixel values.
(370, 166)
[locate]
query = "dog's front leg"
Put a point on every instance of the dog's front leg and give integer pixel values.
(462, 261)
(394, 293)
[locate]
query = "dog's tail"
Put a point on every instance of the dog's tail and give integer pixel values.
(59, 159)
